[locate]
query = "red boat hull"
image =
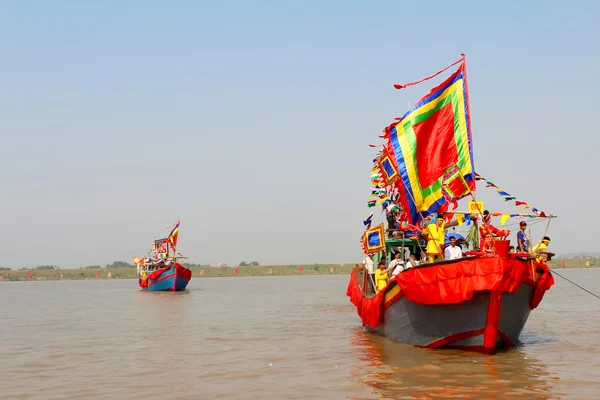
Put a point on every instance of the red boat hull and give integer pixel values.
(479, 304)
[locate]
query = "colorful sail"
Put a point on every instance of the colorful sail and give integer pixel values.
(433, 149)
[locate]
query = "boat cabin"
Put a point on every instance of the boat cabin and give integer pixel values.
(403, 245)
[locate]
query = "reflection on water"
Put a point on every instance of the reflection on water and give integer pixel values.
(403, 372)
(271, 337)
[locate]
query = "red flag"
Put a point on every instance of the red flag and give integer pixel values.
(31, 275)
(96, 274)
(563, 263)
(237, 271)
(301, 269)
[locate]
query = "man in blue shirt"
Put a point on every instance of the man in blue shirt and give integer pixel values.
(522, 239)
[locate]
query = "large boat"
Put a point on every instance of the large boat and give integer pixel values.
(478, 300)
(161, 269)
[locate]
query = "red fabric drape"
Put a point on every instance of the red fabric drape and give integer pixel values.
(544, 282)
(454, 283)
(369, 309)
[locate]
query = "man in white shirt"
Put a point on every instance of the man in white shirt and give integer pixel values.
(452, 252)
(412, 262)
(369, 264)
(397, 265)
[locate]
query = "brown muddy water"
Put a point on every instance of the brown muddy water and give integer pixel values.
(272, 338)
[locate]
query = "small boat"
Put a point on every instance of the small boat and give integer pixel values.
(476, 300)
(161, 270)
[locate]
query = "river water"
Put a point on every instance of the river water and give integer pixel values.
(294, 337)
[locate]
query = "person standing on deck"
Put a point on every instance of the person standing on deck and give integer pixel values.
(397, 265)
(368, 265)
(381, 276)
(435, 238)
(541, 249)
(487, 232)
(522, 239)
(453, 252)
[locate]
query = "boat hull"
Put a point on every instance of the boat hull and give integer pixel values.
(172, 279)
(479, 303)
(489, 321)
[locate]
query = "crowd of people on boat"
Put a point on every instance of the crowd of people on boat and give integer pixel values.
(437, 249)
(147, 265)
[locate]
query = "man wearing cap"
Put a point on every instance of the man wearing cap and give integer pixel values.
(522, 239)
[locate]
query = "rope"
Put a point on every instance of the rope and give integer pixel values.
(398, 86)
(580, 287)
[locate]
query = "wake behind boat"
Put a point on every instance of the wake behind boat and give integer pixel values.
(160, 270)
(440, 295)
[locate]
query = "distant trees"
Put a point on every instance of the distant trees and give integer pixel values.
(92, 267)
(5, 269)
(251, 264)
(46, 267)
(120, 264)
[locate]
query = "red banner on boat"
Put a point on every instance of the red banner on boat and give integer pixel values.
(456, 282)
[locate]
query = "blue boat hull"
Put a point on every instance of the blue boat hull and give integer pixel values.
(173, 279)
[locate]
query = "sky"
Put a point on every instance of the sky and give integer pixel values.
(250, 121)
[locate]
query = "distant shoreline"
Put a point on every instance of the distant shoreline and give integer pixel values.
(197, 272)
(227, 271)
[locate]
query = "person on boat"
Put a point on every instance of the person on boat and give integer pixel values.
(487, 231)
(522, 239)
(453, 252)
(397, 265)
(412, 261)
(511, 249)
(381, 276)
(540, 250)
(368, 265)
(435, 233)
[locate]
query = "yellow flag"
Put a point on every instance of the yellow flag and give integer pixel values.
(587, 264)
(504, 218)
(525, 207)
(460, 218)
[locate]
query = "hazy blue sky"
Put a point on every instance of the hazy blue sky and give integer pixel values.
(251, 120)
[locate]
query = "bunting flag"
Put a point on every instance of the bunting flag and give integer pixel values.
(372, 203)
(504, 218)
(388, 170)
(509, 197)
(431, 139)
(174, 234)
(368, 220)
(374, 239)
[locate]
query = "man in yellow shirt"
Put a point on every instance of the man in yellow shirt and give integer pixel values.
(540, 250)
(435, 234)
(381, 276)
